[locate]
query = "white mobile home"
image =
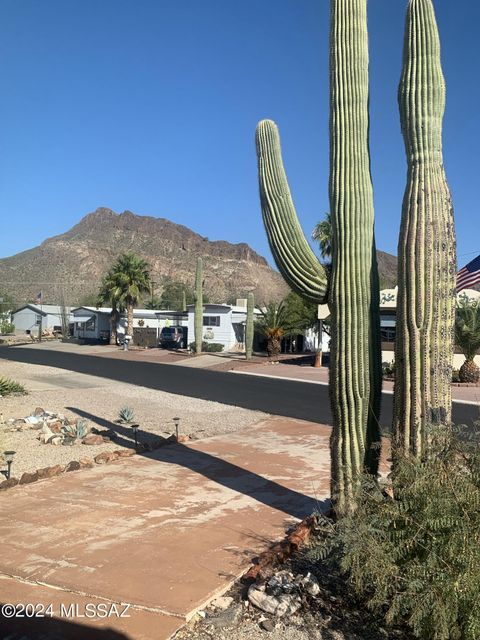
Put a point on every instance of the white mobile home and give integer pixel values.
(31, 316)
(92, 324)
(222, 324)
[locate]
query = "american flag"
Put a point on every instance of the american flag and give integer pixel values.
(39, 297)
(469, 275)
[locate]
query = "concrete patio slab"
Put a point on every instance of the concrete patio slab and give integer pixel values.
(168, 531)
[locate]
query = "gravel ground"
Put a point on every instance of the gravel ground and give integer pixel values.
(99, 401)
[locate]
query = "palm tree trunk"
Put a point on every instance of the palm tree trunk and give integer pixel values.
(113, 326)
(129, 319)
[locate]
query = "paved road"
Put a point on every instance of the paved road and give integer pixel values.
(276, 396)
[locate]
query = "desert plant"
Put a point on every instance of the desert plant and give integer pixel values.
(426, 248)
(249, 326)
(6, 327)
(198, 312)
(9, 386)
(352, 292)
(467, 338)
(388, 369)
(131, 278)
(415, 558)
(273, 324)
(322, 233)
(75, 431)
(208, 347)
(111, 295)
(126, 414)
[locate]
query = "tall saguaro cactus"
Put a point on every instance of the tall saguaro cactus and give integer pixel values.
(355, 373)
(426, 249)
(249, 327)
(355, 359)
(198, 313)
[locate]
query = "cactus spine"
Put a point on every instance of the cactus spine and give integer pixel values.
(198, 315)
(426, 249)
(249, 327)
(355, 375)
(355, 380)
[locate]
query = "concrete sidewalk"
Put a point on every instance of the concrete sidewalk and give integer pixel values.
(164, 532)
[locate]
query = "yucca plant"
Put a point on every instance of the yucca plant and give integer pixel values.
(467, 338)
(9, 386)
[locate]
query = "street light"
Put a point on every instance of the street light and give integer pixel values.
(135, 429)
(176, 421)
(8, 459)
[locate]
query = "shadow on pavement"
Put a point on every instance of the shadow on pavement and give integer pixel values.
(50, 628)
(225, 473)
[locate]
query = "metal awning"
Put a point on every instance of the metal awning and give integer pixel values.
(82, 319)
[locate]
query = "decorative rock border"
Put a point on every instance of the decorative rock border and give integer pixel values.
(281, 551)
(86, 463)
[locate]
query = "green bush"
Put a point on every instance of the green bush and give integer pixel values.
(388, 369)
(415, 558)
(6, 327)
(8, 386)
(208, 347)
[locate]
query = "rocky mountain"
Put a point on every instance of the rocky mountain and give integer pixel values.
(72, 264)
(387, 269)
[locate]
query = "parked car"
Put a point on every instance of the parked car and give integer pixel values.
(173, 338)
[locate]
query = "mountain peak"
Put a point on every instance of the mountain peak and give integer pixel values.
(75, 261)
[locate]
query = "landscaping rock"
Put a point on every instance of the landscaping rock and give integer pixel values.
(182, 438)
(39, 411)
(106, 456)
(7, 484)
(267, 625)
(57, 440)
(93, 439)
(124, 453)
(55, 426)
(50, 472)
(281, 605)
(310, 585)
(86, 463)
(73, 466)
(228, 618)
(28, 478)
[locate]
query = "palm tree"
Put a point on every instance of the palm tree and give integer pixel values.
(467, 338)
(110, 295)
(322, 233)
(132, 278)
(274, 323)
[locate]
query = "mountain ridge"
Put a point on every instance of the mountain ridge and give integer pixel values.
(70, 265)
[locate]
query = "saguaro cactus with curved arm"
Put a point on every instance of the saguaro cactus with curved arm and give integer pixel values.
(198, 312)
(355, 378)
(426, 249)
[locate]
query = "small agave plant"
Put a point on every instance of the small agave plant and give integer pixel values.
(73, 432)
(126, 414)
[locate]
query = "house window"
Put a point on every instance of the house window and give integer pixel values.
(387, 334)
(90, 324)
(211, 321)
(387, 327)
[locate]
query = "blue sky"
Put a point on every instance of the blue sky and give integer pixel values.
(151, 106)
